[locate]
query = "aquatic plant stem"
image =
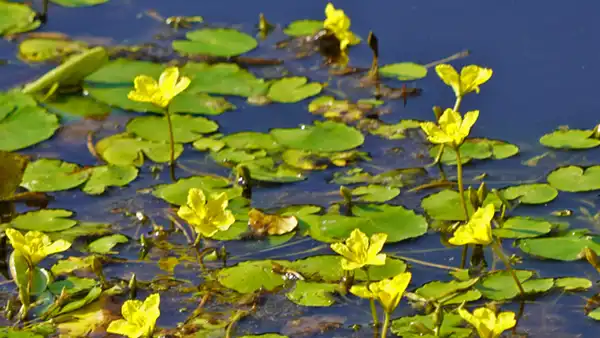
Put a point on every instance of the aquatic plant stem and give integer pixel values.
(386, 324)
(171, 144)
(463, 202)
(372, 302)
(457, 103)
(498, 251)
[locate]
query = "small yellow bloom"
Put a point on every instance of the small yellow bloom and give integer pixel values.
(487, 324)
(160, 93)
(140, 318)
(338, 23)
(35, 245)
(207, 217)
(451, 129)
(360, 251)
(469, 80)
(478, 230)
(388, 291)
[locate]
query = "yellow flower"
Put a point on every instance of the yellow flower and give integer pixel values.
(469, 80)
(160, 93)
(478, 230)
(451, 129)
(140, 318)
(487, 324)
(388, 291)
(360, 251)
(35, 245)
(338, 23)
(207, 217)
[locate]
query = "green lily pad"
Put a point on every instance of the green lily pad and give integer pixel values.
(8, 332)
(293, 89)
(46, 175)
(523, 227)
(396, 221)
(394, 178)
(124, 150)
(570, 139)
(46, 49)
(72, 285)
(437, 291)
(323, 136)
(452, 326)
(83, 229)
(573, 283)
(575, 179)
(446, 206)
(404, 71)
(25, 127)
(477, 148)
(208, 143)
(251, 140)
(16, 18)
(105, 244)
(185, 128)
(303, 27)
(535, 193)
(12, 168)
(70, 264)
(395, 131)
(229, 155)
(45, 220)
(375, 193)
(176, 193)
(123, 71)
(109, 176)
(265, 169)
(568, 247)
(216, 41)
(500, 285)
(328, 268)
(71, 72)
(249, 276)
(223, 79)
(78, 3)
(595, 314)
(313, 293)
(72, 105)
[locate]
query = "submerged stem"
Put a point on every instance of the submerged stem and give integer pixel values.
(386, 324)
(171, 144)
(498, 250)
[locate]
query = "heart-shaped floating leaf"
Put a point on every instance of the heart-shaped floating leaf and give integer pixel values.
(229, 155)
(479, 149)
(396, 221)
(573, 283)
(437, 291)
(72, 285)
(265, 169)
(303, 27)
(570, 139)
(395, 131)
(71, 72)
(45, 220)
(46, 175)
(216, 41)
(176, 193)
(224, 79)
(323, 136)
(575, 179)
(104, 245)
(48, 48)
(413, 327)
(72, 105)
(12, 167)
(109, 176)
(185, 128)
(375, 193)
(313, 293)
(568, 247)
(393, 178)
(78, 3)
(523, 227)
(446, 206)
(123, 71)
(404, 71)
(293, 89)
(535, 193)
(501, 285)
(251, 140)
(16, 18)
(22, 123)
(328, 268)
(123, 149)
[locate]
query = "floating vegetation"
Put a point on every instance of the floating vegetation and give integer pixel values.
(236, 234)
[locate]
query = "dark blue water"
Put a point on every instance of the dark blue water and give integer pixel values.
(545, 60)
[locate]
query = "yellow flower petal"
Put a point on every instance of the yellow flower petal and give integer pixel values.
(168, 79)
(362, 292)
(140, 318)
(468, 122)
(505, 321)
(478, 230)
(471, 77)
(450, 77)
(159, 93)
(391, 291)
(129, 308)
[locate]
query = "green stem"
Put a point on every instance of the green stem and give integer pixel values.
(171, 144)
(457, 103)
(372, 301)
(498, 250)
(461, 193)
(386, 324)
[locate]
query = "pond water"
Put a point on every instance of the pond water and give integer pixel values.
(544, 59)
